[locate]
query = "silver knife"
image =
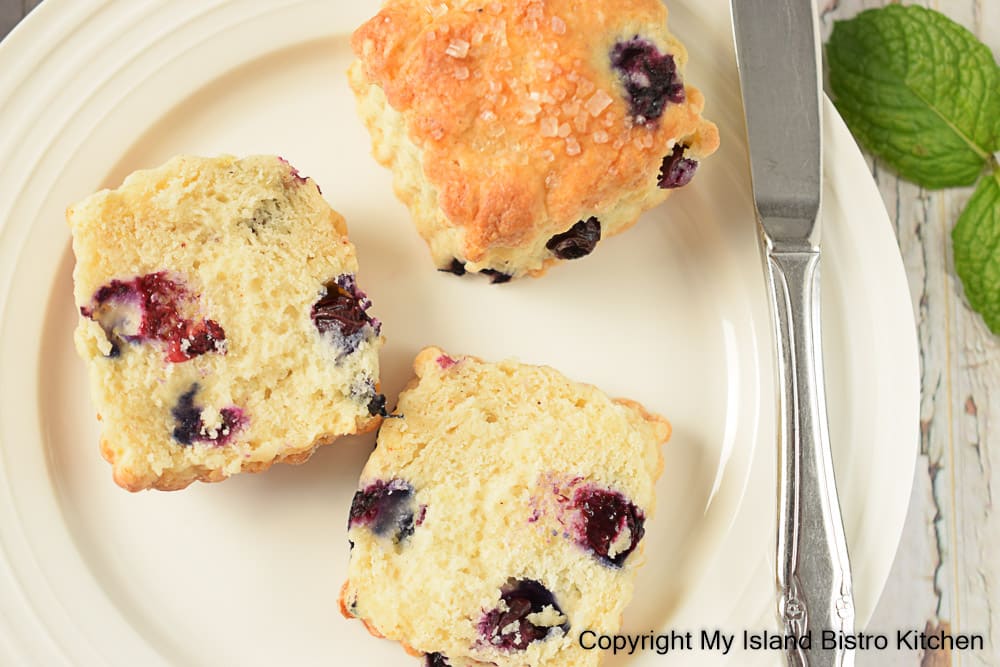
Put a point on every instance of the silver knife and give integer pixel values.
(777, 47)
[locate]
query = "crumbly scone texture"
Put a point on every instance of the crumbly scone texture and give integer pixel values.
(501, 514)
(508, 123)
(208, 292)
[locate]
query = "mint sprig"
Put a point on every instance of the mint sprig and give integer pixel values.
(976, 239)
(916, 89)
(923, 94)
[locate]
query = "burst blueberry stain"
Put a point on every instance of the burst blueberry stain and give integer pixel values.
(386, 508)
(677, 170)
(578, 241)
(342, 311)
(607, 524)
(155, 301)
(445, 362)
(189, 427)
(650, 78)
(507, 627)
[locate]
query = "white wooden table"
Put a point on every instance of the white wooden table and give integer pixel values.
(947, 572)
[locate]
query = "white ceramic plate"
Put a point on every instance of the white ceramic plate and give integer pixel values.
(247, 572)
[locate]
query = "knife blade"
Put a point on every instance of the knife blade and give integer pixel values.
(778, 57)
(777, 48)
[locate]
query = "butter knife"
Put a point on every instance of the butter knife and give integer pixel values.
(777, 49)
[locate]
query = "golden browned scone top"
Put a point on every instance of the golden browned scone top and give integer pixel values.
(517, 109)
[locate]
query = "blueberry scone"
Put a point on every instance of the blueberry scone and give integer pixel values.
(220, 321)
(501, 515)
(520, 133)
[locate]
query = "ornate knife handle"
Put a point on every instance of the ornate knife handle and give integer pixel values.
(814, 574)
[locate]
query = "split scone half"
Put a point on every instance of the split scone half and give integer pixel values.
(501, 515)
(520, 133)
(220, 321)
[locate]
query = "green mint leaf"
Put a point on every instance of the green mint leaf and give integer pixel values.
(976, 239)
(919, 91)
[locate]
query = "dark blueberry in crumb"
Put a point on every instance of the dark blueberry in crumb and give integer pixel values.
(189, 427)
(187, 416)
(338, 310)
(376, 406)
(579, 241)
(386, 508)
(677, 170)
(437, 660)
(507, 627)
(650, 78)
(342, 311)
(496, 277)
(609, 525)
(456, 267)
(116, 290)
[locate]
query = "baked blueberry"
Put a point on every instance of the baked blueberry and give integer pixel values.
(512, 625)
(456, 267)
(579, 241)
(496, 277)
(677, 170)
(342, 312)
(363, 391)
(384, 507)
(189, 427)
(436, 660)
(607, 524)
(376, 406)
(650, 78)
(187, 418)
